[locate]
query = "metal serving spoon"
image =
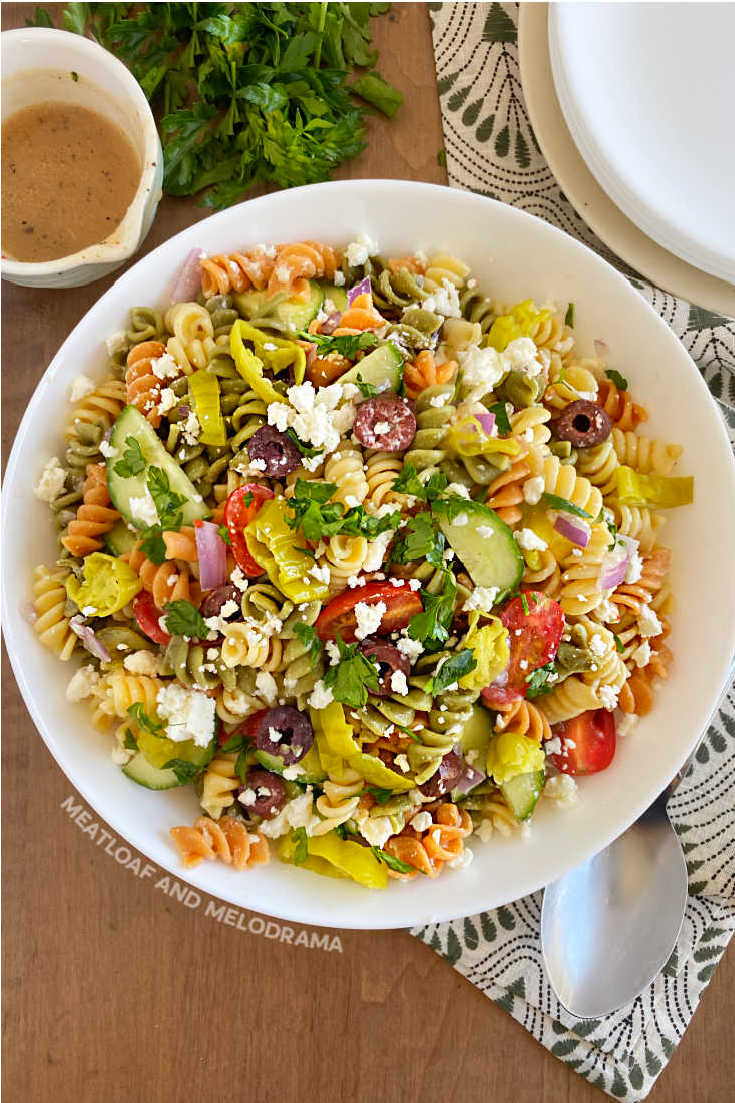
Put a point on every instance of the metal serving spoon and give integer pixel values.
(609, 927)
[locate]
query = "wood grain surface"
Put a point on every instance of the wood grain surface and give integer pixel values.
(116, 991)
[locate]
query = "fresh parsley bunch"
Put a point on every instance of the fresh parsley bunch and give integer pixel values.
(246, 92)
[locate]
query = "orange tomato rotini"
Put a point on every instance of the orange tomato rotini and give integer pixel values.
(424, 372)
(181, 545)
(523, 718)
(143, 387)
(428, 850)
(633, 596)
(95, 515)
(622, 410)
(360, 316)
(636, 695)
(301, 261)
(169, 582)
(227, 840)
(236, 272)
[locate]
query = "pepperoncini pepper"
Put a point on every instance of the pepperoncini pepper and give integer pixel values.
(653, 491)
(204, 389)
(109, 584)
(523, 320)
(468, 438)
(275, 547)
(267, 351)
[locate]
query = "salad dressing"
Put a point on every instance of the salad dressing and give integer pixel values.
(69, 175)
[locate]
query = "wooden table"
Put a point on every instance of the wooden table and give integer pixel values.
(117, 991)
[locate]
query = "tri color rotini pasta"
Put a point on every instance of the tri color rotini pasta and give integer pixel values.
(368, 560)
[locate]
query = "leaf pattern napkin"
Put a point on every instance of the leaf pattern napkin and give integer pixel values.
(491, 149)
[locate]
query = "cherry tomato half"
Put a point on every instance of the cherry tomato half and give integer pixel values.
(247, 728)
(533, 638)
(587, 742)
(148, 615)
(238, 513)
(339, 618)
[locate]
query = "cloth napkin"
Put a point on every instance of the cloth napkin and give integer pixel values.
(491, 149)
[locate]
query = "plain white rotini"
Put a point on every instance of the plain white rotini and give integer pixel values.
(562, 480)
(581, 569)
(219, 785)
(346, 469)
(645, 454)
(244, 645)
(345, 556)
(49, 604)
(444, 266)
(191, 326)
(339, 801)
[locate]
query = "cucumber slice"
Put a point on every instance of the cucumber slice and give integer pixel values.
(383, 368)
(140, 771)
(131, 423)
(292, 314)
(120, 540)
(313, 774)
(491, 557)
(522, 793)
(338, 295)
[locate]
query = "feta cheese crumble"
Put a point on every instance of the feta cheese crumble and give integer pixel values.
(144, 509)
(51, 481)
(189, 714)
(398, 683)
(561, 788)
(321, 696)
(357, 252)
(80, 387)
(83, 684)
(482, 598)
(533, 489)
(318, 417)
(529, 541)
(368, 618)
(141, 662)
(410, 648)
(648, 622)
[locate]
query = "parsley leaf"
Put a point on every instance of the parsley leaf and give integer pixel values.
(381, 796)
(301, 853)
(241, 765)
(41, 18)
(619, 380)
(538, 681)
(184, 619)
(317, 517)
(618, 644)
(569, 316)
(166, 501)
(432, 626)
(132, 462)
(347, 345)
(455, 667)
(224, 535)
(419, 539)
(306, 634)
(565, 505)
(304, 449)
(367, 390)
(501, 418)
(153, 545)
(185, 771)
(409, 483)
(129, 741)
(143, 720)
(372, 88)
(392, 863)
(352, 676)
(234, 743)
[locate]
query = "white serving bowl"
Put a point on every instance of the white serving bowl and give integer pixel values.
(37, 65)
(514, 256)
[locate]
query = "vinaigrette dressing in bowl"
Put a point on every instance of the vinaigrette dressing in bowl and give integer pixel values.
(67, 100)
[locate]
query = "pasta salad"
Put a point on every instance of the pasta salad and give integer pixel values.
(368, 558)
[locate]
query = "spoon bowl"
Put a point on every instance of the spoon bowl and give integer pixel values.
(609, 926)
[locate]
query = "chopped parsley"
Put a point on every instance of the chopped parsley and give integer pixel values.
(367, 390)
(569, 316)
(143, 720)
(241, 765)
(224, 535)
(166, 501)
(318, 518)
(236, 742)
(184, 619)
(132, 462)
(392, 863)
(432, 626)
(129, 741)
(381, 796)
(304, 449)
(348, 345)
(408, 482)
(185, 771)
(501, 418)
(306, 634)
(565, 505)
(455, 667)
(352, 677)
(618, 643)
(541, 680)
(619, 380)
(153, 545)
(419, 539)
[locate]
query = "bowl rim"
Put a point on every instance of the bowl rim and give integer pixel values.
(309, 912)
(98, 252)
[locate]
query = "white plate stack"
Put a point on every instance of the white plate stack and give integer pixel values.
(633, 106)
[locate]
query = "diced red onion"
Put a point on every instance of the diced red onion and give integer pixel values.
(612, 572)
(212, 554)
(469, 777)
(184, 410)
(188, 282)
(89, 640)
(328, 327)
(361, 288)
(571, 528)
(487, 421)
(601, 348)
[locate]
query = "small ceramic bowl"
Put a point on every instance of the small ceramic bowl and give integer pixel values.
(39, 65)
